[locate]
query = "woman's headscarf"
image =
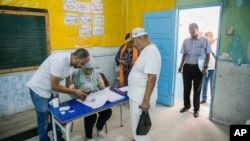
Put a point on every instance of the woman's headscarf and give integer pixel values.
(82, 78)
(90, 64)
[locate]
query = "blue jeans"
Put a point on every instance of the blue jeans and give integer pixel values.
(209, 76)
(41, 105)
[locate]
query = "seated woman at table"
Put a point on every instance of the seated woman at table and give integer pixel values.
(89, 80)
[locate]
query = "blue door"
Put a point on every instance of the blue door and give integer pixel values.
(161, 27)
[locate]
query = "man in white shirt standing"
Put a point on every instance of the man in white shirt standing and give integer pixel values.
(46, 81)
(143, 79)
(211, 69)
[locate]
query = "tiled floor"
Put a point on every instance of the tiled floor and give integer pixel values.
(168, 125)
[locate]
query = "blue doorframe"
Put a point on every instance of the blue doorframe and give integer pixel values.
(220, 4)
(162, 27)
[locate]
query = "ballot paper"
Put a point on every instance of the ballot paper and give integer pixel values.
(98, 99)
(124, 88)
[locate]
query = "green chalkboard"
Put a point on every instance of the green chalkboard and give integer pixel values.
(23, 39)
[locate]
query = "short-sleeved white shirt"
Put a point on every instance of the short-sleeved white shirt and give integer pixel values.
(212, 61)
(148, 62)
(57, 65)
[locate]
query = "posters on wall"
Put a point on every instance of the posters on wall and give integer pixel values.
(85, 30)
(70, 5)
(88, 15)
(98, 21)
(70, 18)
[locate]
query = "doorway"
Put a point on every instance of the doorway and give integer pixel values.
(208, 19)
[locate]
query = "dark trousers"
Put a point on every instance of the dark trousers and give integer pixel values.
(90, 121)
(192, 74)
(125, 79)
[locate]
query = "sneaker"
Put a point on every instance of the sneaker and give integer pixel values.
(203, 101)
(100, 133)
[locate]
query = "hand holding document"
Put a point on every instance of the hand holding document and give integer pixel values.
(98, 99)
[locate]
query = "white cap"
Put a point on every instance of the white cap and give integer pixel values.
(138, 31)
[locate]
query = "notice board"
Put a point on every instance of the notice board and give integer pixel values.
(24, 38)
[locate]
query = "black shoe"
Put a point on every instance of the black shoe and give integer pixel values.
(184, 109)
(61, 139)
(196, 114)
(202, 102)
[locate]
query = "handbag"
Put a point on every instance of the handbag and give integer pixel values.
(144, 124)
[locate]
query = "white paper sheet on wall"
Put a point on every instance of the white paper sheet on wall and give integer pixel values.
(96, 6)
(98, 20)
(70, 5)
(98, 30)
(85, 30)
(85, 19)
(84, 7)
(70, 18)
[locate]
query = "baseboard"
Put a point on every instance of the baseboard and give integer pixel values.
(24, 135)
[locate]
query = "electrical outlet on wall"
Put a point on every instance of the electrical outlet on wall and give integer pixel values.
(230, 31)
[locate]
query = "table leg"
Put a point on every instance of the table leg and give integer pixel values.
(66, 129)
(54, 127)
(121, 115)
(67, 132)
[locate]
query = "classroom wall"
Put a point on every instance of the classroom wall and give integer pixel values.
(66, 36)
(231, 100)
(135, 10)
(120, 16)
(14, 95)
(232, 93)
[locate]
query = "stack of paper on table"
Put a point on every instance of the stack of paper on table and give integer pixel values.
(124, 88)
(121, 90)
(98, 99)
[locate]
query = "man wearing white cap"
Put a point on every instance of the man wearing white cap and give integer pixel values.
(142, 80)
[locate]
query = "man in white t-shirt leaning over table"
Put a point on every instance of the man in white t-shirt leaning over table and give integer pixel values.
(46, 80)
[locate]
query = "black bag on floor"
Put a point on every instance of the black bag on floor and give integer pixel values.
(144, 124)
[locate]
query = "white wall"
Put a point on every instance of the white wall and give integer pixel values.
(232, 93)
(14, 94)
